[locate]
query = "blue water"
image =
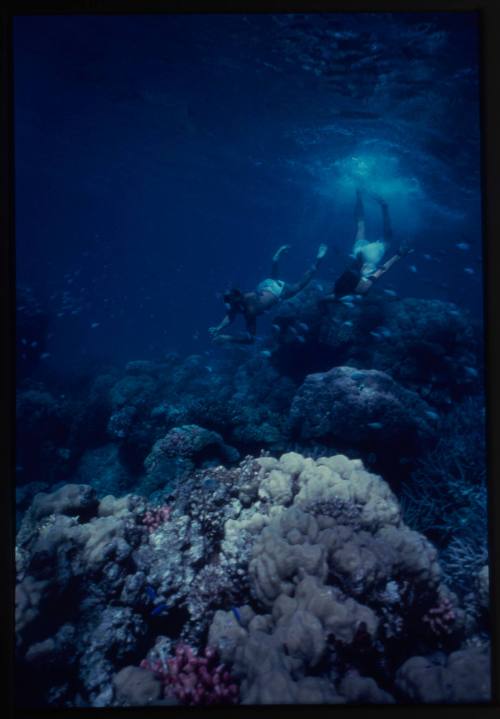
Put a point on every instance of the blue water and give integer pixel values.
(161, 159)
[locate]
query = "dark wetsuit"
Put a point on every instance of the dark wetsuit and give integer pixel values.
(348, 281)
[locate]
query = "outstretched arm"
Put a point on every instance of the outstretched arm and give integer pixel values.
(292, 289)
(224, 323)
(383, 268)
(403, 250)
(366, 282)
(244, 338)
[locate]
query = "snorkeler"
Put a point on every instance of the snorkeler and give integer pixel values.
(364, 270)
(268, 293)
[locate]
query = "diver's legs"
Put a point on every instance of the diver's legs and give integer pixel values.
(387, 228)
(359, 216)
(386, 220)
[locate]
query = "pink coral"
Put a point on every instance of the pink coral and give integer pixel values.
(154, 518)
(195, 680)
(440, 619)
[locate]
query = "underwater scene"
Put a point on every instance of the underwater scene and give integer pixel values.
(250, 408)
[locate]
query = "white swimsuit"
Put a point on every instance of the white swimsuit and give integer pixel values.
(275, 287)
(372, 254)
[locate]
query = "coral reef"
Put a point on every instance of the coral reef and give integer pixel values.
(292, 578)
(42, 422)
(183, 448)
(461, 677)
(195, 680)
(429, 346)
(299, 573)
(336, 572)
(446, 495)
(103, 469)
(359, 407)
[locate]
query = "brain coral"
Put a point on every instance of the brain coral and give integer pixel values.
(358, 406)
(331, 565)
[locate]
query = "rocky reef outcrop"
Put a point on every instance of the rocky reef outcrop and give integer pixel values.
(300, 574)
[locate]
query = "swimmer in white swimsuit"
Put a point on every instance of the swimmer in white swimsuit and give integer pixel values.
(365, 269)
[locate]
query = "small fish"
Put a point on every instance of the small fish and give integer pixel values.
(45, 355)
(209, 368)
(266, 353)
(358, 376)
(25, 342)
(427, 257)
(158, 610)
(391, 293)
(348, 323)
(413, 268)
(348, 304)
(303, 326)
(347, 298)
(375, 425)
(431, 414)
(34, 344)
(462, 246)
(151, 592)
(455, 313)
(469, 270)
(237, 615)
(300, 339)
(94, 325)
(276, 328)
(377, 335)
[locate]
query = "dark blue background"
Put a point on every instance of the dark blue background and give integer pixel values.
(161, 159)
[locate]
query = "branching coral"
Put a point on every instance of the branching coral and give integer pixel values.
(446, 498)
